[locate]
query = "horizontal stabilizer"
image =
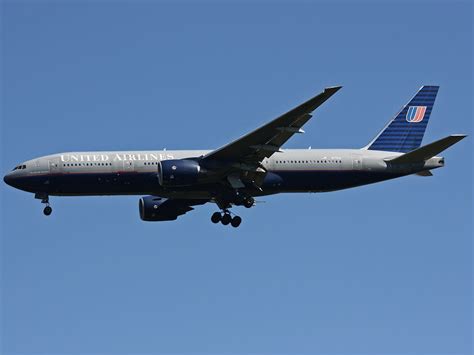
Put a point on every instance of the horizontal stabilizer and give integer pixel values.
(427, 151)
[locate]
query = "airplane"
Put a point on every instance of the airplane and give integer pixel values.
(252, 166)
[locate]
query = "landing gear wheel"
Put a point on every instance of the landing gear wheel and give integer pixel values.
(216, 217)
(226, 219)
(235, 222)
(45, 200)
(249, 202)
(47, 210)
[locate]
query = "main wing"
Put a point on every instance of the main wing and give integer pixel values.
(268, 139)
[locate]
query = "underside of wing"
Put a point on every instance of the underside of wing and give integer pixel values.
(154, 208)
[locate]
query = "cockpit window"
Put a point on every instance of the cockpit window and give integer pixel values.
(18, 167)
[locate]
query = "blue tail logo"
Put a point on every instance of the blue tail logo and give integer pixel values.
(416, 113)
(405, 132)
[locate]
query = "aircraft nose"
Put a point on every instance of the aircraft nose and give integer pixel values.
(9, 179)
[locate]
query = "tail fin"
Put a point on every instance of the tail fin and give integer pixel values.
(405, 132)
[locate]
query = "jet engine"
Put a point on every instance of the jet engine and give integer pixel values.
(154, 209)
(178, 172)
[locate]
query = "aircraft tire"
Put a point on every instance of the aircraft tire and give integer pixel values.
(47, 210)
(226, 219)
(249, 202)
(216, 217)
(235, 222)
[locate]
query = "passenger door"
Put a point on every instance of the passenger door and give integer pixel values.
(356, 162)
(54, 166)
(128, 166)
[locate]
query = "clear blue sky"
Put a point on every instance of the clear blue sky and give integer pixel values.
(380, 269)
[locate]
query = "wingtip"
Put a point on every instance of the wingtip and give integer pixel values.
(337, 87)
(459, 135)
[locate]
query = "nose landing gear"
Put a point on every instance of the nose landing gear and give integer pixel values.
(45, 199)
(47, 210)
(225, 218)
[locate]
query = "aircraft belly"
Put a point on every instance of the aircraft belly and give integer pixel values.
(320, 181)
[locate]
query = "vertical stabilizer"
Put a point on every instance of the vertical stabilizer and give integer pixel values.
(405, 132)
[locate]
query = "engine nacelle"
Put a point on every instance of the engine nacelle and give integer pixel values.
(153, 209)
(178, 172)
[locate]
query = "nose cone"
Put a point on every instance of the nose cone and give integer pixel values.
(9, 179)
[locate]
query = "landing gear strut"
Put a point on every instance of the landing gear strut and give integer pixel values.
(45, 199)
(225, 218)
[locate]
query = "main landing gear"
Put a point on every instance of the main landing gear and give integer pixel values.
(249, 202)
(225, 201)
(225, 218)
(45, 199)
